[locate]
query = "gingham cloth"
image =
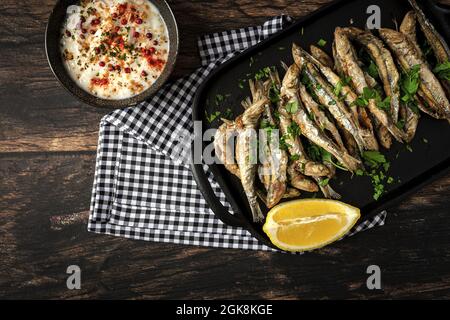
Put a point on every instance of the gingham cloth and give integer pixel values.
(143, 187)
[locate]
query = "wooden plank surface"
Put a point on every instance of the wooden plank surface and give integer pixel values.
(47, 155)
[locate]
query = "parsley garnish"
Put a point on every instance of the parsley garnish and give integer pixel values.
(228, 114)
(324, 182)
(372, 70)
(409, 85)
(321, 43)
(263, 74)
(378, 168)
(294, 130)
(274, 93)
(212, 117)
(443, 70)
(292, 107)
(283, 144)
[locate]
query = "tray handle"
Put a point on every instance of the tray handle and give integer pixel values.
(208, 193)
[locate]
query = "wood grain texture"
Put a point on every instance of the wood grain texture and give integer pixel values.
(47, 157)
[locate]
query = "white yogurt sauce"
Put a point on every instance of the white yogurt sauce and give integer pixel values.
(114, 49)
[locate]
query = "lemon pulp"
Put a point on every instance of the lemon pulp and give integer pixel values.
(309, 224)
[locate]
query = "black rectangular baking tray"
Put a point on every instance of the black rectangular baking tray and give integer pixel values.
(427, 158)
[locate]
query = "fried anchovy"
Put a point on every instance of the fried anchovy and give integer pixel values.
(411, 118)
(299, 181)
(289, 94)
(246, 154)
(385, 63)
(361, 121)
(351, 97)
(289, 194)
(349, 63)
(383, 134)
(327, 97)
(305, 165)
(319, 117)
(273, 171)
(430, 87)
(434, 39)
(224, 147)
(295, 147)
(409, 29)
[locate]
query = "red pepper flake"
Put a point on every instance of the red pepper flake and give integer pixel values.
(95, 22)
(156, 63)
(122, 8)
(127, 70)
(149, 52)
(143, 73)
(124, 21)
(117, 28)
(114, 15)
(155, 42)
(82, 36)
(111, 68)
(136, 34)
(92, 31)
(82, 19)
(68, 33)
(97, 50)
(101, 63)
(118, 68)
(139, 21)
(99, 82)
(149, 35)
(83, 30)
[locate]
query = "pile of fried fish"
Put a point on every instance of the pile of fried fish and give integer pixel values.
(338, 106)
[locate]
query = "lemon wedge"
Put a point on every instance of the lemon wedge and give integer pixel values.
(304, 225)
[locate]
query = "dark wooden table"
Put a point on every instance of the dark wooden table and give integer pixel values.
(47, 148)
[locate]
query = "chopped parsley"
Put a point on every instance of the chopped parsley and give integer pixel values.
(263, 74)
(372, 70)
(409, 84)
(442, 70)
(343, 82)
(401, 124)
(373, 94)
(321, 43)
(219, 99)
(292, 107)
(283, 144)
(319, 154)
(228, 114)
(378, 167)
(294, 130)
(210, 118)
(324, 182)
(274, 93)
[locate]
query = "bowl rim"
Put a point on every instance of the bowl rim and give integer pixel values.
(69, 84)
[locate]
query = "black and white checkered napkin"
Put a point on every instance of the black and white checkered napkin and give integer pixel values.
(143, 188)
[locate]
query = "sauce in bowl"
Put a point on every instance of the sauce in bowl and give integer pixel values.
(114, 49)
